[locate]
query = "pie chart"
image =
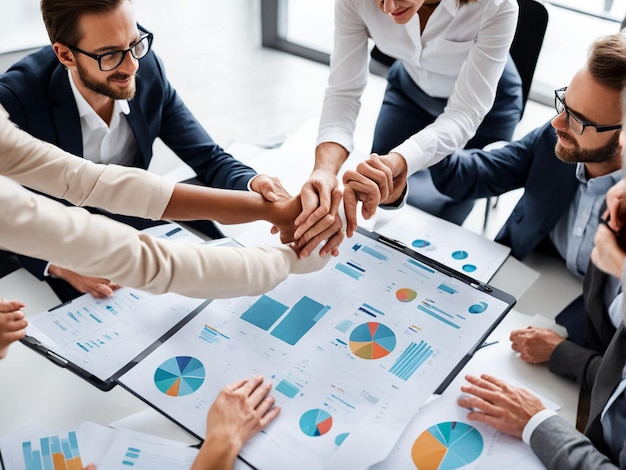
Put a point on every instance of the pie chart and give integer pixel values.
(446, 446)
(477, 308)
(316, 422)
(179, 376)
(372, 340)
(406, 295)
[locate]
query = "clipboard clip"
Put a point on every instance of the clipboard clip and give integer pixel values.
(481, 286)
(391, 242)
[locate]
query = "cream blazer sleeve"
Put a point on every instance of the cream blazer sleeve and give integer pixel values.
(97, 246)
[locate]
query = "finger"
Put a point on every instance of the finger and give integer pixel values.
(234, 386)
(270, 416)
(310, 202)
(259, 394)
(314, 218)
(11, 305)
(335, 237)
(350, 202)
(332, 245)
(250, 385)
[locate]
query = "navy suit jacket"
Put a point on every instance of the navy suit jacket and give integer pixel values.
(36, 93)
(529, 163)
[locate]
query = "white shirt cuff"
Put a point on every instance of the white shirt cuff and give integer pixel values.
(249, 185)
(534, 422)
(46, 272)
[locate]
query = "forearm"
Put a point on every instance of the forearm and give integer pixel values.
(191, 202)
(215, 454)
(329, 156)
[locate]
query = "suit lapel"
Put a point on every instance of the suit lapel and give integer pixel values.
(65, 112)
(139, 126)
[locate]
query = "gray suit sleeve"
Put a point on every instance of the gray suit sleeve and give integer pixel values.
(559, 446)
(575, 363)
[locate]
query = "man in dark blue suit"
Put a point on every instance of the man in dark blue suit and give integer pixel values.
(100, 92)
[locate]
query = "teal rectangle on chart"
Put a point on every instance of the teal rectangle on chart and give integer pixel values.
(299, 320)
(287, 388)
(264, 312)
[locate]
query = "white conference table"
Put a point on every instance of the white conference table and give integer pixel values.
(37, 391)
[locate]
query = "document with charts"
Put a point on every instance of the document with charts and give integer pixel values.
(353, 351)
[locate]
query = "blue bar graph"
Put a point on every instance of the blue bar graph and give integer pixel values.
(345, 269)
(411, 360)
(420, 265)
(264, 312)
(55, 453)
(427, 309)
(447, 289)
(131, 457)
(375, 253)
(211, 335)
(302, 317)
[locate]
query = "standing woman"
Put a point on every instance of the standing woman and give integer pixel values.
(450, 56)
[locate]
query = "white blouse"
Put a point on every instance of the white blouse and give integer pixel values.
(460, 56)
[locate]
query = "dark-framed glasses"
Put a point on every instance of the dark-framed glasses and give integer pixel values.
(110, 60)
(576, 123)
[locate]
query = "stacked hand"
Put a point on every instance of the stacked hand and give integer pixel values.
(12, 324)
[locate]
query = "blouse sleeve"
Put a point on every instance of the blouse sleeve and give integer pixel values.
(473, 94)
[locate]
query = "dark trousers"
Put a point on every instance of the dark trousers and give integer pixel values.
(406, 110)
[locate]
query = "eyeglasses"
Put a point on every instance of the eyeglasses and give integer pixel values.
(111, 60)
(574, 122)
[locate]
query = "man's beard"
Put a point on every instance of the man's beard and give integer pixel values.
(103, 88)
(577, 154)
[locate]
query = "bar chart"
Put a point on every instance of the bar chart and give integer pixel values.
(411, 359)
(266, 311)
(54, 453)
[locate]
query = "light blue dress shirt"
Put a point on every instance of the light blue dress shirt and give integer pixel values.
(573, 234)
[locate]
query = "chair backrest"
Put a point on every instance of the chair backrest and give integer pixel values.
(525, 48)
(532, 23)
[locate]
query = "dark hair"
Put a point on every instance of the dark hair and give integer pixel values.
(61, 17)
(606, 61)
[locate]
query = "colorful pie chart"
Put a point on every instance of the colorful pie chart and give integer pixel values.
(406, 295)
(179, 376)
(316, 422)
(447, 446)
(372, 340)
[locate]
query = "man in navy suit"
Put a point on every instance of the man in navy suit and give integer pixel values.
(100, 92)
(565, 166)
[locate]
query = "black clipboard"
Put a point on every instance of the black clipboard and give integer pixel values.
(108, 381)
(181, 309)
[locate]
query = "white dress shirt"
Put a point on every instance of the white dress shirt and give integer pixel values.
(102, 142)
(460, 56)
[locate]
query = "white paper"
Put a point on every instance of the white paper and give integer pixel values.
(415, 324)
(103, 335)
(443, 241)
(31, 447)
(139, 451)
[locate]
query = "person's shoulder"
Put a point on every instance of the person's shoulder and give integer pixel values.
(35, 67)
